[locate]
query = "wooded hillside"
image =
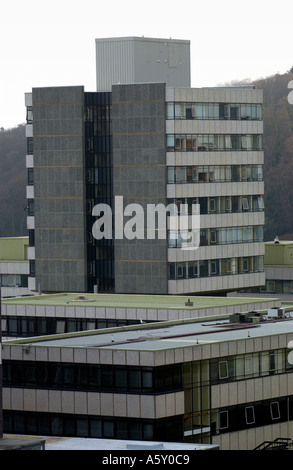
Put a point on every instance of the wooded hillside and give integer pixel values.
(278, 166)
(278, 155)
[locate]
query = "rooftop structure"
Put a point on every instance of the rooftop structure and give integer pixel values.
(133, 60)
(278, 264)
(14, 266)
(68, 312)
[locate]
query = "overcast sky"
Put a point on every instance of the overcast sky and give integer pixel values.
(53, 43)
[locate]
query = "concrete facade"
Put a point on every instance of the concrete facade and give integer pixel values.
(166, 144)
(139, 175)
(209, 128)
(14, 266)
(150, 149)
(232, 386)
(59, 188)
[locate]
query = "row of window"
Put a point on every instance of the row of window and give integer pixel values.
(216, 267)
(99, 185)
(97, 377)
(251, 365)
(56, 424)
(19, 326)
(278, 287)
(216, 236)
(96, 113)
(237, 367)
(134, 379)
(261, 413)
(219, 204)
(233, 111)
(214, 174)
(211, 142)
(14, 280)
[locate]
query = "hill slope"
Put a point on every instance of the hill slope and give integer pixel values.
(278, 151)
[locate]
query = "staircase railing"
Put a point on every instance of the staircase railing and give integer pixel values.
(278, 444)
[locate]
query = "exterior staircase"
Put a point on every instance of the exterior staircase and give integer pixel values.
(278, 444)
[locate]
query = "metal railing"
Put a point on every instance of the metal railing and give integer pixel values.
(278, 444)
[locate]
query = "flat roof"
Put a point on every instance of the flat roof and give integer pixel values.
(165, 335)
(133, 301)
(117, 444)
(280, 242)
(142, 39)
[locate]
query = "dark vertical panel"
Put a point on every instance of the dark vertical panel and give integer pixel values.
(99, 185)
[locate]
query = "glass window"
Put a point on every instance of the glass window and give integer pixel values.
(147, 380)
(224, 421)
(60, 326)
(275, 410)
(107, 377)
(121, 379)
(30, 146)
(179, 111)
(31, 207)
(170, 111)
(29, 114)
(30, 176)
(57, 425)
(223, 369)
(68, 375)
(170, 142)
(121, 430)
(95, 427)
(134, 379)
(249, 415)
(82, 427)
(108, 428)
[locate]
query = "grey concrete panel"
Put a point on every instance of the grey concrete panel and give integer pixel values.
(59, 188)
(139, 176)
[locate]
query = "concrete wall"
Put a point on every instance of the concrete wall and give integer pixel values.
(59, 188)
(279, 253)
(248, 391)
(132, 60)
(139, 175)
(13, 248)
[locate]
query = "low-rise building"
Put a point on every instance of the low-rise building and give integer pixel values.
(214, 381)
(14, 266)
(279, 268)
(69, 312)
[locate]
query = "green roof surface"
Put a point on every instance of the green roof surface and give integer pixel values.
(132, 301)
(13, 249)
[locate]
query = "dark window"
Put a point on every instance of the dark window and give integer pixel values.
(30, 145)
(224, 420)
(30, 176)
(29, 114)
(249, 415)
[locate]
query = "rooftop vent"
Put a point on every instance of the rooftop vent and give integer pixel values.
(81, 297)
(247, 317)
